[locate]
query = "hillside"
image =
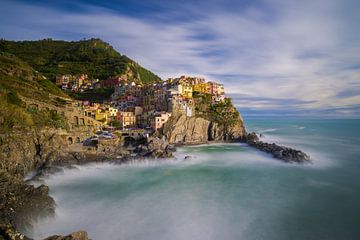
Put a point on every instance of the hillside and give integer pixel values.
(96, 58)
(17, 80)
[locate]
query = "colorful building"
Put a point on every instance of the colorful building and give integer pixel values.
(126, 119)
(160, 119)
(216, 88)
(113, 111)
(101, 115)
(202, 88)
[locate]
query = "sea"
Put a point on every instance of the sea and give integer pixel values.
(220, 192)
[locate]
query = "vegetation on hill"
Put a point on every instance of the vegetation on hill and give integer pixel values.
(223, 113)
(17, 79)
(98, 95)
(94, 57)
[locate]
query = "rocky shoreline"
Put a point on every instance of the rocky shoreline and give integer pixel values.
(21, 203)
(43, 153)
(286, 154)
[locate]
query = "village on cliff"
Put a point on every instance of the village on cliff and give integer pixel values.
(142, 108)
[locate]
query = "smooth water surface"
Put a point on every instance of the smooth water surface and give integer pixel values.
(225, 191)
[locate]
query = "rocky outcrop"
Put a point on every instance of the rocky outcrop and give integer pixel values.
(283, 153)
(21, 204)
(181, 129)
(48, 151)
(22, 152)
(155, 148)
(8, 232)
(80, 235)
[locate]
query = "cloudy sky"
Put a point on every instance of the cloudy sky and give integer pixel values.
(275, 57)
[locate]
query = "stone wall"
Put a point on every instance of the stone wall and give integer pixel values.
(75, 115)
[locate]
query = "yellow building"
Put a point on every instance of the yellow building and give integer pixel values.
(185, 90)
(100, 116)
(103, 116)
(202, 88)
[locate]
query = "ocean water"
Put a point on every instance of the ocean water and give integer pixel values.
(225, 191)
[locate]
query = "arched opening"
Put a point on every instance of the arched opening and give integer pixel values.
(70, 141)
(78, 140)
(129, 141)
(82, 121)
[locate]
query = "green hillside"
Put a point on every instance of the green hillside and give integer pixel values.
(18, 79)
(94, 57)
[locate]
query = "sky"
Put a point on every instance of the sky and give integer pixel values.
(275, 57)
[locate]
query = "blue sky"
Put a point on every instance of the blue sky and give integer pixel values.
(275, 57)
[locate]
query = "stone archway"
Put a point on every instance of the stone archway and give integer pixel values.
(70, 140)
(78, 140)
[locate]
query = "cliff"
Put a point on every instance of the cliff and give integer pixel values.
(181, 129)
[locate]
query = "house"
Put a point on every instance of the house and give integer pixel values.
(160, 119)
(63, 80)
(126, 119)
(101, 115)
(113, 111)
(217, 98)
(202, 88)
(216, 88)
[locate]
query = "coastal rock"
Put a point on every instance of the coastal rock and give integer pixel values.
(156, 148)
(181, 129)
(283, 153)
(21, 204)
(8, 232)
(80, 235)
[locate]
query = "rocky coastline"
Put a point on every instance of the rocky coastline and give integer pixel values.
(45, 152)
(33, 155)
(286, 154)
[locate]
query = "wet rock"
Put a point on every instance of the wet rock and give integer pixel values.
(8, 232)
(80, 235)
(156, 148)
(283, 153)
(21, 204)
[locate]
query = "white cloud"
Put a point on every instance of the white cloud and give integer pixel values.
(297, 50)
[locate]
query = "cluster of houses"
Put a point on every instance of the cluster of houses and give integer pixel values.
(149, 106)
(77, 83)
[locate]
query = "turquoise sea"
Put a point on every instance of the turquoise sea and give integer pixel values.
(225, 191)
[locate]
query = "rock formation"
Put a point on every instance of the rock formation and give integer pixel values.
(283, 153)
(181, 129)
(80, 235)
(8, 232)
